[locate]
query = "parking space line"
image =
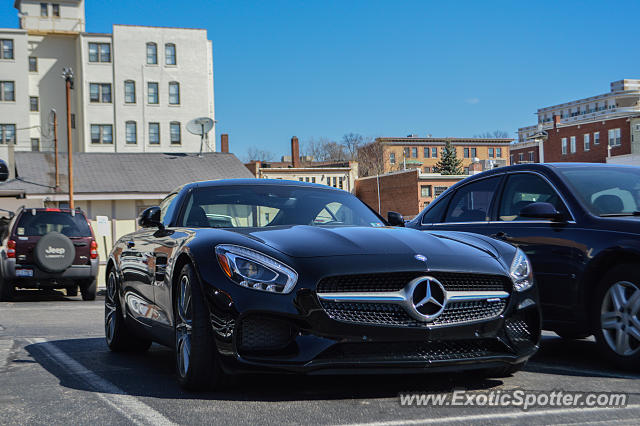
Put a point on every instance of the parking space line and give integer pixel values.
(517, 415)
(130, 407)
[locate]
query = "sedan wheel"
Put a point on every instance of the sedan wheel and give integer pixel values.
(616, 316)
(619, 318)
(184, 326)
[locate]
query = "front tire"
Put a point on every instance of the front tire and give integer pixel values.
(196, 364)
(616, 316)
(119, 338)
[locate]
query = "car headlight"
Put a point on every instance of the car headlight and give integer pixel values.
(252, 269)
(520, 271)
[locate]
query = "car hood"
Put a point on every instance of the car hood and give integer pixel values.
(314, 241)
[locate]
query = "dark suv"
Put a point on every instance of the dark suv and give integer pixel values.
(49, 248)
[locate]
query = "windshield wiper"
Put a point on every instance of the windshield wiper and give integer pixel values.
(635, 213)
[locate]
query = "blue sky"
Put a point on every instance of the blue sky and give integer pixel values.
(389, 68)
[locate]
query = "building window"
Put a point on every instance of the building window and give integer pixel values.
(614, 137)
(406, 152)
(170, 54)
(7, 49)
(34, 105)
(521, 157)
(425, 190)
(154, 133)
(499, 152)
(35, 144)
(564, 146)
(587, 142)
(174, 132)
(99, 52)
(130, 92)
(44, 9)
(490, 150)
(438, 190)
(152, 93)
(414, 152)
(426, 152)
(174, 93)
(33, 64)
(313, 179)
(341, 182)
(7, 133)
(392, 158)
(474, 152)
(102, 133)
(434, 152)
(152, 54)
(466, 153)
(532, 156)
(596, 138)
(131, 130)
(511, 159)
(100, 92)
(427, 169)
(55, 10)
(7, 91)
(573, 144)
(466, 170)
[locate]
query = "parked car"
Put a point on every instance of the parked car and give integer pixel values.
(49, 248)
(580, 226)
(304, 277)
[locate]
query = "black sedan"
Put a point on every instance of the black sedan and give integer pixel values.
(250, 275)
(580, 226)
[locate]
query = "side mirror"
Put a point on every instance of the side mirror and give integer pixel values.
(395, 219)
(150, 217)
(542, 211)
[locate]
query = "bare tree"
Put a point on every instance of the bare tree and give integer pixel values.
(496, 134)
(352, 142)
(324, 149)
(257, 154)
(371, 159)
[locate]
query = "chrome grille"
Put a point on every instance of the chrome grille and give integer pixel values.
(394, 315)
(394, 281)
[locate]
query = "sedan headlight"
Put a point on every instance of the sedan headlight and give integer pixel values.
(252, 269)
(520, 271)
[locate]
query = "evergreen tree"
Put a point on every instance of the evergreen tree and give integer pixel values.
(449, 164)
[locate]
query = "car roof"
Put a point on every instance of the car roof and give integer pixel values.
(261, 182)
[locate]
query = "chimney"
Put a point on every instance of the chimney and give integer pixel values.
(556, 121)
(224, 142)
(295, 152)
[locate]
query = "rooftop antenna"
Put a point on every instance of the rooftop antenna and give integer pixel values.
(201, 126)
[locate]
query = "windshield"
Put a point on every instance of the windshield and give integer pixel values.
(43, 222)
(606, 191)
(266, 205)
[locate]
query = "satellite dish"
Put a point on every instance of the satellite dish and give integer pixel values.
(200, 126)
(4, 171)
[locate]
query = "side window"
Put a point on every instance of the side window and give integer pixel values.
(167, 206)
(471, 203)
(523, 189)
(436, 211)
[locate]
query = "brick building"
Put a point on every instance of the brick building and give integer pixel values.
(599, 129)
(406, 192)
(424, 153)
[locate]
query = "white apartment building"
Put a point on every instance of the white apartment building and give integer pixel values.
(134, 90)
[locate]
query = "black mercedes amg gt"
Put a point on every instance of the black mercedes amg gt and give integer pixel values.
(251, 275)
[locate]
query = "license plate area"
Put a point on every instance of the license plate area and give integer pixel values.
(24, 272)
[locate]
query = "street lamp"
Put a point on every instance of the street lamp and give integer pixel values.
(67, 75)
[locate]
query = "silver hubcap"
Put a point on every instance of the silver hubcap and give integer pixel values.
(110, 308)
(619, 318)
(183, 326)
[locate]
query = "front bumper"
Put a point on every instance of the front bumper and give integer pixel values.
(42, 278)
(257, 332)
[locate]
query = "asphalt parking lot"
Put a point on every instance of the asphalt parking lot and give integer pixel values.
(56, 369)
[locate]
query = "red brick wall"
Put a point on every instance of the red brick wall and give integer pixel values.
(398, 192)
(515, 152)
(598, 153)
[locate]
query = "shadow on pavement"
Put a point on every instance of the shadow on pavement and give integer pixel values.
(152, 374)
(47, 295)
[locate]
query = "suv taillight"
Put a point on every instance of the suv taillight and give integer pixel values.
(94, 249)
(11, 249)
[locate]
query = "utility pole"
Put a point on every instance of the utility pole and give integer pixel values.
(67, 74)
(55, 144)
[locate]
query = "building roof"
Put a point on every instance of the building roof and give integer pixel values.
(442, 141)
(121, 172)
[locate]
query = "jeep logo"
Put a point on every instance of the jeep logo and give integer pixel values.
(55, 250)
